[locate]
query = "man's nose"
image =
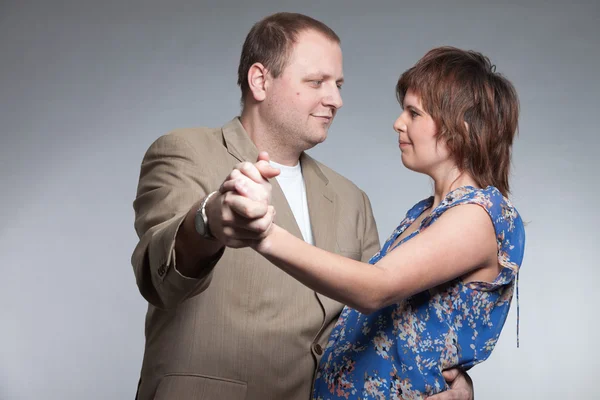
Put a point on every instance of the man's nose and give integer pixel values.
(334, 98)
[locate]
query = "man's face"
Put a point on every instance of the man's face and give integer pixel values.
(302, 102)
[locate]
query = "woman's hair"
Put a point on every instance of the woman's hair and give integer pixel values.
(457, 86)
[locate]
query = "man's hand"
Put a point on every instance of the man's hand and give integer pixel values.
(241, 212)
(461, 386)
(251, 180)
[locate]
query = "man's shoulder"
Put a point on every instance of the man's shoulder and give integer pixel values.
(195, 135)
(199, 139)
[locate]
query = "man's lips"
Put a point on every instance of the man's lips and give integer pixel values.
(325, 117)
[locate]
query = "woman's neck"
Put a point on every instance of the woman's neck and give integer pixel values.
(447, 182)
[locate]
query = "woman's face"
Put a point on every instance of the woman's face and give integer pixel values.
(421, 151)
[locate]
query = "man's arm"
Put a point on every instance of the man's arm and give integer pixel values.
(172, 262)
(170, 186)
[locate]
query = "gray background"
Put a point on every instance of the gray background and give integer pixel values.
(85, 87)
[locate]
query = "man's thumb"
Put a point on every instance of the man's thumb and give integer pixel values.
(263, 156)
(263, 166)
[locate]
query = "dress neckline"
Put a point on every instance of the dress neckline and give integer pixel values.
(417, 210)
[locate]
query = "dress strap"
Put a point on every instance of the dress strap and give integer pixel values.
(517, 283)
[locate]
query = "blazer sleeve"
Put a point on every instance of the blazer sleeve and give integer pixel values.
(171, 181)
(370, 242)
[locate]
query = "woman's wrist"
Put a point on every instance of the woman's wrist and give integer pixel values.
(265, 246)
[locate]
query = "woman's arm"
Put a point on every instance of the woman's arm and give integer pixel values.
(462, 240)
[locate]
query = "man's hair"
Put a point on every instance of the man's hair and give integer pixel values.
(271, 40)
(458, 86)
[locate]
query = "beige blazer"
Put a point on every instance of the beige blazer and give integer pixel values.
(246, 330)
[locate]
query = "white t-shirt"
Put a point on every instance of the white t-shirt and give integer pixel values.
(292, 183)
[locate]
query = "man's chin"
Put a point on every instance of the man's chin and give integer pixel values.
(320, 138)
(313, 141)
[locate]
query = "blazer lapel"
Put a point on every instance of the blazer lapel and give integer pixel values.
(321, 207)
(240, 146)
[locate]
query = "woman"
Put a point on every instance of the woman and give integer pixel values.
(437, 294)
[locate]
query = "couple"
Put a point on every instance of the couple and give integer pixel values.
(223, 322)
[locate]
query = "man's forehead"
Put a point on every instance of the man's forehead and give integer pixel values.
(317, 56)
(311, 41)
(310, 34)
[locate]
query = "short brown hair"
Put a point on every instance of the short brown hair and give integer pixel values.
(270, 43)
(458, 86)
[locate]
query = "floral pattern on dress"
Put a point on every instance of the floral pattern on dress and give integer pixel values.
(400, 351)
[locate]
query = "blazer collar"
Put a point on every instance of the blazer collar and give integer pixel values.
(238, 141)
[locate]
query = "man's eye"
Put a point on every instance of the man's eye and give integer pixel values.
(339, 86)
(414, 114)
(317, 82)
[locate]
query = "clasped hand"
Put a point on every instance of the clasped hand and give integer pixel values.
(242, 215)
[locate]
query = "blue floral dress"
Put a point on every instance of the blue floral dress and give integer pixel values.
(400, 351)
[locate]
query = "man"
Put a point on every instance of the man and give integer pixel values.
(222, 322)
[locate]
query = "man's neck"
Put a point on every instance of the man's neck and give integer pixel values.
(266, 139)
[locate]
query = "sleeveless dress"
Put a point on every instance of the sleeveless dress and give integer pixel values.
(400, 351)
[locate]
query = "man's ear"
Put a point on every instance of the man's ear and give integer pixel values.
(258, 81)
